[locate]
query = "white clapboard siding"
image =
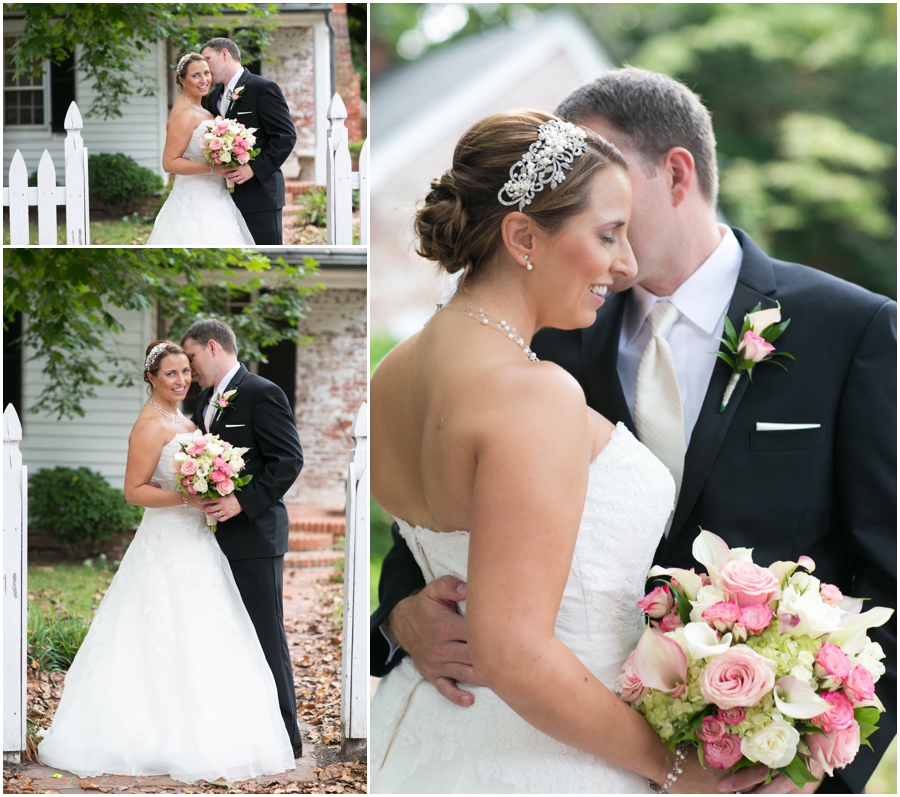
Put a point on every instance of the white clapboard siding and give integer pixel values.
(99, 440)
(340, 180)
(139, 132)
(355, 647)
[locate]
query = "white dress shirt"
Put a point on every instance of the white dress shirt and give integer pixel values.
(229, 87)
(703, 300)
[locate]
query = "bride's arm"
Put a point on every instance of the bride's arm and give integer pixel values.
(179, 129)
(533, 454)
(145, 444)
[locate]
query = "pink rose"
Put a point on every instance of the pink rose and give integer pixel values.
(748, 584)
(757, 618)
(631, 687)
(738, 677)
(835, 750)
(830, 594)
(723, 753)
(239, 142)
(197, 446)
(712, 729)
(834, 662)
(222, 402)
(754, 348)
(215, 144)
(859, 685)
(670, 622)
(657, 603)
(225, 488)
(243, 158)
(217, 476)
(221, 128)
(235, 95)
(839, 717)
(722, 615)
(731, 716)
(189, 467)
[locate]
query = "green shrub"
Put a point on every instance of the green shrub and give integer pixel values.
(119, 182)
(54, 639)
(313, 208)
(80, 507)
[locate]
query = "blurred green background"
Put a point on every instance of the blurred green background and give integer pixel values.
(804, 104)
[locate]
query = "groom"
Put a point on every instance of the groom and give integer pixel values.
(256, 102)
(825, 488)
(253, 523)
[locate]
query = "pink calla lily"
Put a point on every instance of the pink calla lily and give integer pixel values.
(797, 699)
(660, 663)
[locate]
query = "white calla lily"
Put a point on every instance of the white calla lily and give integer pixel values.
(711, 551)
(797, 699)
(690, 582)
(851, 635)
(764, 318)
(703, 641)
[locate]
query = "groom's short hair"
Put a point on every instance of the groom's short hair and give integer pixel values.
(211, 329)
(221, 43)
(654, 112)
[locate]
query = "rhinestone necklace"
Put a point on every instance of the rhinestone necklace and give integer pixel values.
(195, 107)
(177, 417)
(501, 326)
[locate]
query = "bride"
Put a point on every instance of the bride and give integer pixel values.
(171, 678)
(560, 511)
(199, 210)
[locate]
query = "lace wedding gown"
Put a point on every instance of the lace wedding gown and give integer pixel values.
(199, 211)
(423, 743)
(171, 678)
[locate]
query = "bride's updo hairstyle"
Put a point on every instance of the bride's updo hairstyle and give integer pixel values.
(154, 355)
(181, 67)
(459, 224)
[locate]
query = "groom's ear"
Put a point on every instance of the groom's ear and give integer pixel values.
(517, 231)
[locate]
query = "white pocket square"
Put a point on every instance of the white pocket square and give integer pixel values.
(234, 425)
(241, 113)
(785, 427)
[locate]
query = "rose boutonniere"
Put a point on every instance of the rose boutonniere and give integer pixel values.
(225, 400)
(236, 94)
(754, 345)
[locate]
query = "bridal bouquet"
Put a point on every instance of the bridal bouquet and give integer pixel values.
(228, 143)
(209, 467)
(756, 664)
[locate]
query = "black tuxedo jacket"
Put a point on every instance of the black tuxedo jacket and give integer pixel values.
(259, 419)
(829, 493)
(262, 105)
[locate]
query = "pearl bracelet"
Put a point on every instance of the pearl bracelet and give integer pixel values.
(681, 752)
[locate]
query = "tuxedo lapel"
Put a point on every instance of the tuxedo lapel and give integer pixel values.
(232, 385)
(241, 81)
(600, 355)
(200, 408)
(755, 285)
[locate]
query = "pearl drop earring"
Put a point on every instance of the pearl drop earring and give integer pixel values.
(528, 263)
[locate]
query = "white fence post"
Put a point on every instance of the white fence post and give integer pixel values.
(48, 195)
(355, 658)
(15, 588)
(337, 176)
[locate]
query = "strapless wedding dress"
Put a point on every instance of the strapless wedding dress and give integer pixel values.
(423, 743)
(199, 211)
(171, 678)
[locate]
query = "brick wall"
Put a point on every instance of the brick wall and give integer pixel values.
(294, 70)
(331, 385)
(346, 80)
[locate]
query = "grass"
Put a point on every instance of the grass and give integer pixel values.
(126, 230)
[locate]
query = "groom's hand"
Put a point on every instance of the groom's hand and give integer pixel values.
(752, 781)
(239, 174)
(428, 627)
(221, 509)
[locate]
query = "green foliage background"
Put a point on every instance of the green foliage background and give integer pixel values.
(803, 98)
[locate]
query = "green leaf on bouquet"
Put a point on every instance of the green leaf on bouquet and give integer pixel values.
(868, 715)
(806, 728)
(866, 730)
(798, 772)
(684, 605)
(732, 341)
(772, 332)
(727, 359)
(785, 354)
(743, 763)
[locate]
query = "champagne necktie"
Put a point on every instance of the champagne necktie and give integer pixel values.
(658, 414)
(210, 411)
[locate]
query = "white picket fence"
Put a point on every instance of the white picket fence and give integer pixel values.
(340, 180)
(18, 197)
(355, 652)
(15, 587)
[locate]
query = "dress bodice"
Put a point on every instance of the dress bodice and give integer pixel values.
(423, 743)
(163, 475)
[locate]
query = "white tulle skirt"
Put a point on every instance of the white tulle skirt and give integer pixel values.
(200, 213)
(171, 678)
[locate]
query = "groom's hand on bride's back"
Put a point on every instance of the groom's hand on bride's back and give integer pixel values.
(429, 628)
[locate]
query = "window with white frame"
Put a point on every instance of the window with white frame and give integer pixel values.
(23, 97)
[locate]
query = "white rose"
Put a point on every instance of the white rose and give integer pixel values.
(870, 657)
(740, 555)
(200, 486)
(214, 449)
(803, 674)
(706, 597)
(775, 745)
(815, 616)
